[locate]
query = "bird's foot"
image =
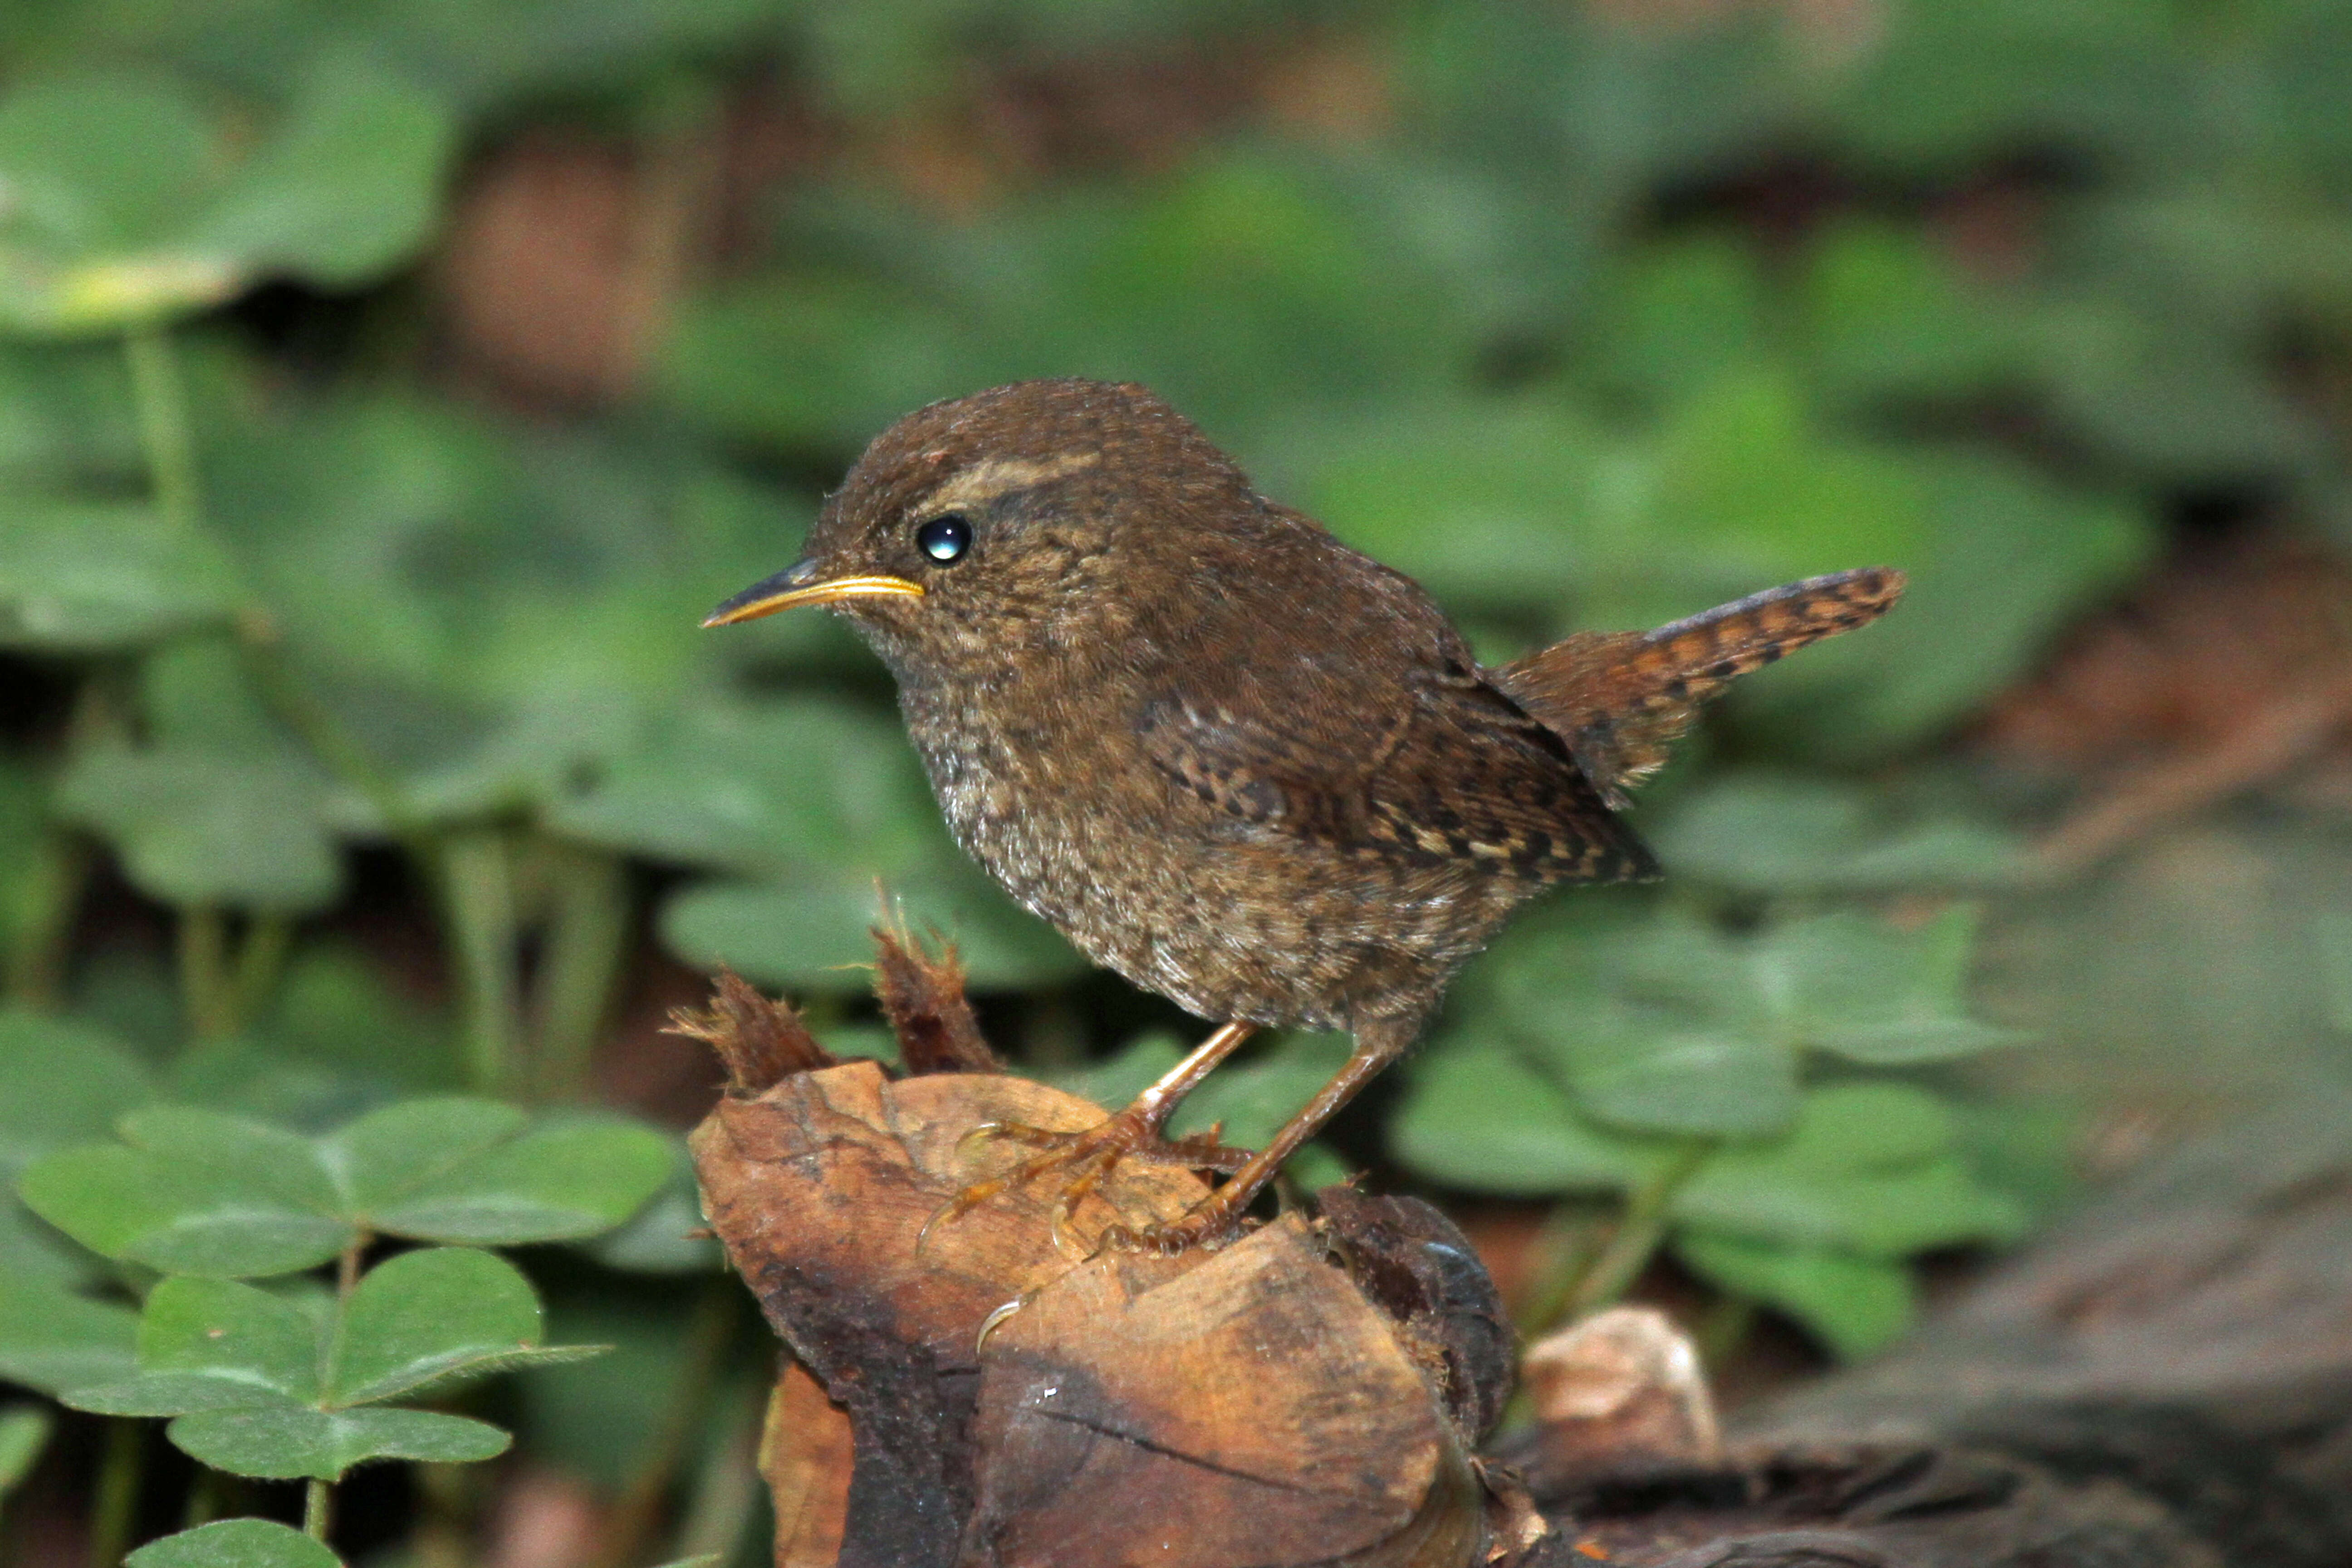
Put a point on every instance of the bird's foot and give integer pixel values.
(1209, 1224)
(1084, 1159)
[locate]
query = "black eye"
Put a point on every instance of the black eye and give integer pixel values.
(945, 538)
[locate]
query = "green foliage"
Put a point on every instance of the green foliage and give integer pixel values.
(810, 931)
(1484, 1118)
(2332, 934)
(196, 1192)
(24, 1432)
(234, 1543)
(1763, 833)
(1248, 1103)
(1856, 1305)
(1564, 338)
(1868, 1167)
(83, 577)
(1666, 1024)
(132, 202)
(1625, 1046)
(52, 1338)
(735, 786)
(246, 828)
(1846, 982)
(296, 1380)
(273, 1385)
(59, 1083)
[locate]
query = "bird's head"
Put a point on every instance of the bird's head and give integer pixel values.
(1027, 515)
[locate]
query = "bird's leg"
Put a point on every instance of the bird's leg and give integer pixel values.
(1216, 1218)
(1133, 1133)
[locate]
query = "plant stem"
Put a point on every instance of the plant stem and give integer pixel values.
(204, 1499)
(41, 925)
(317, 1494)
(161, 396)
(206, 990)
(477, 880)
(1724, 1327)
(302, 711)
(726, 1491)
(1566, 1244)
(708, 1335)
(1636, 1239)
(114, 1511)
(679, 164)
(167, 439)
(446, 1504)
(50, 894)
(587, 935)
(261, 960)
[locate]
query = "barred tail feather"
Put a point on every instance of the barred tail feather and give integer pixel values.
(1621, 699)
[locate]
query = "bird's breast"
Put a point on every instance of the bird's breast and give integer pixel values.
(1229, 919)
(1024, 792)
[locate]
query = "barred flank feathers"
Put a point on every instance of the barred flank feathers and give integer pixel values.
(1621, 699)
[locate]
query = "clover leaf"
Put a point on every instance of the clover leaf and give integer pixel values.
(234, 1543)
(199, 825)
(807, 928)
(196, 1192)
(277, 1385)
(133, 200)
(1872, 1170)
(86, 575)
(1855, 1305)
(24, 1433)
(1481, 1116)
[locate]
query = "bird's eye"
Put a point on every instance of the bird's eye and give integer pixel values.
(945, 538)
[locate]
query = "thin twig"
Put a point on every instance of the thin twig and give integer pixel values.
(2272, 738)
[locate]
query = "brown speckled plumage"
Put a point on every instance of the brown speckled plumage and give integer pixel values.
(1230, 758)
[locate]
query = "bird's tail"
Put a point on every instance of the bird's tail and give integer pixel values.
(1621, 699)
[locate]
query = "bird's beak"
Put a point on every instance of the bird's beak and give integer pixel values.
(800, 585)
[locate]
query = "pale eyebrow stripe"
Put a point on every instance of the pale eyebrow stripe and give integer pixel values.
(1000, 477)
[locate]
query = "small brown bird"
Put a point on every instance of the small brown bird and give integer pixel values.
(1227, 756)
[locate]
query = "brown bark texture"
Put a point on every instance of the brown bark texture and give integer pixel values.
(2165, 1381)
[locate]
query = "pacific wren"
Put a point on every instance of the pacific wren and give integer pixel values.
(1227, 756)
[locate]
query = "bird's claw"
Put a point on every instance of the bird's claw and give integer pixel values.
(1010, 1132)
(1209, 1225)
(1087, 1156)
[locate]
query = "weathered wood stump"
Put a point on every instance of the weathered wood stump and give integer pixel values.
(1306, 1394)
(2165, 1381)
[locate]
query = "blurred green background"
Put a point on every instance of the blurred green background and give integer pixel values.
(386, 390)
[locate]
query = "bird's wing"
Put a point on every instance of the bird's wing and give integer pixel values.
(1621, 699)
(1406, 753)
